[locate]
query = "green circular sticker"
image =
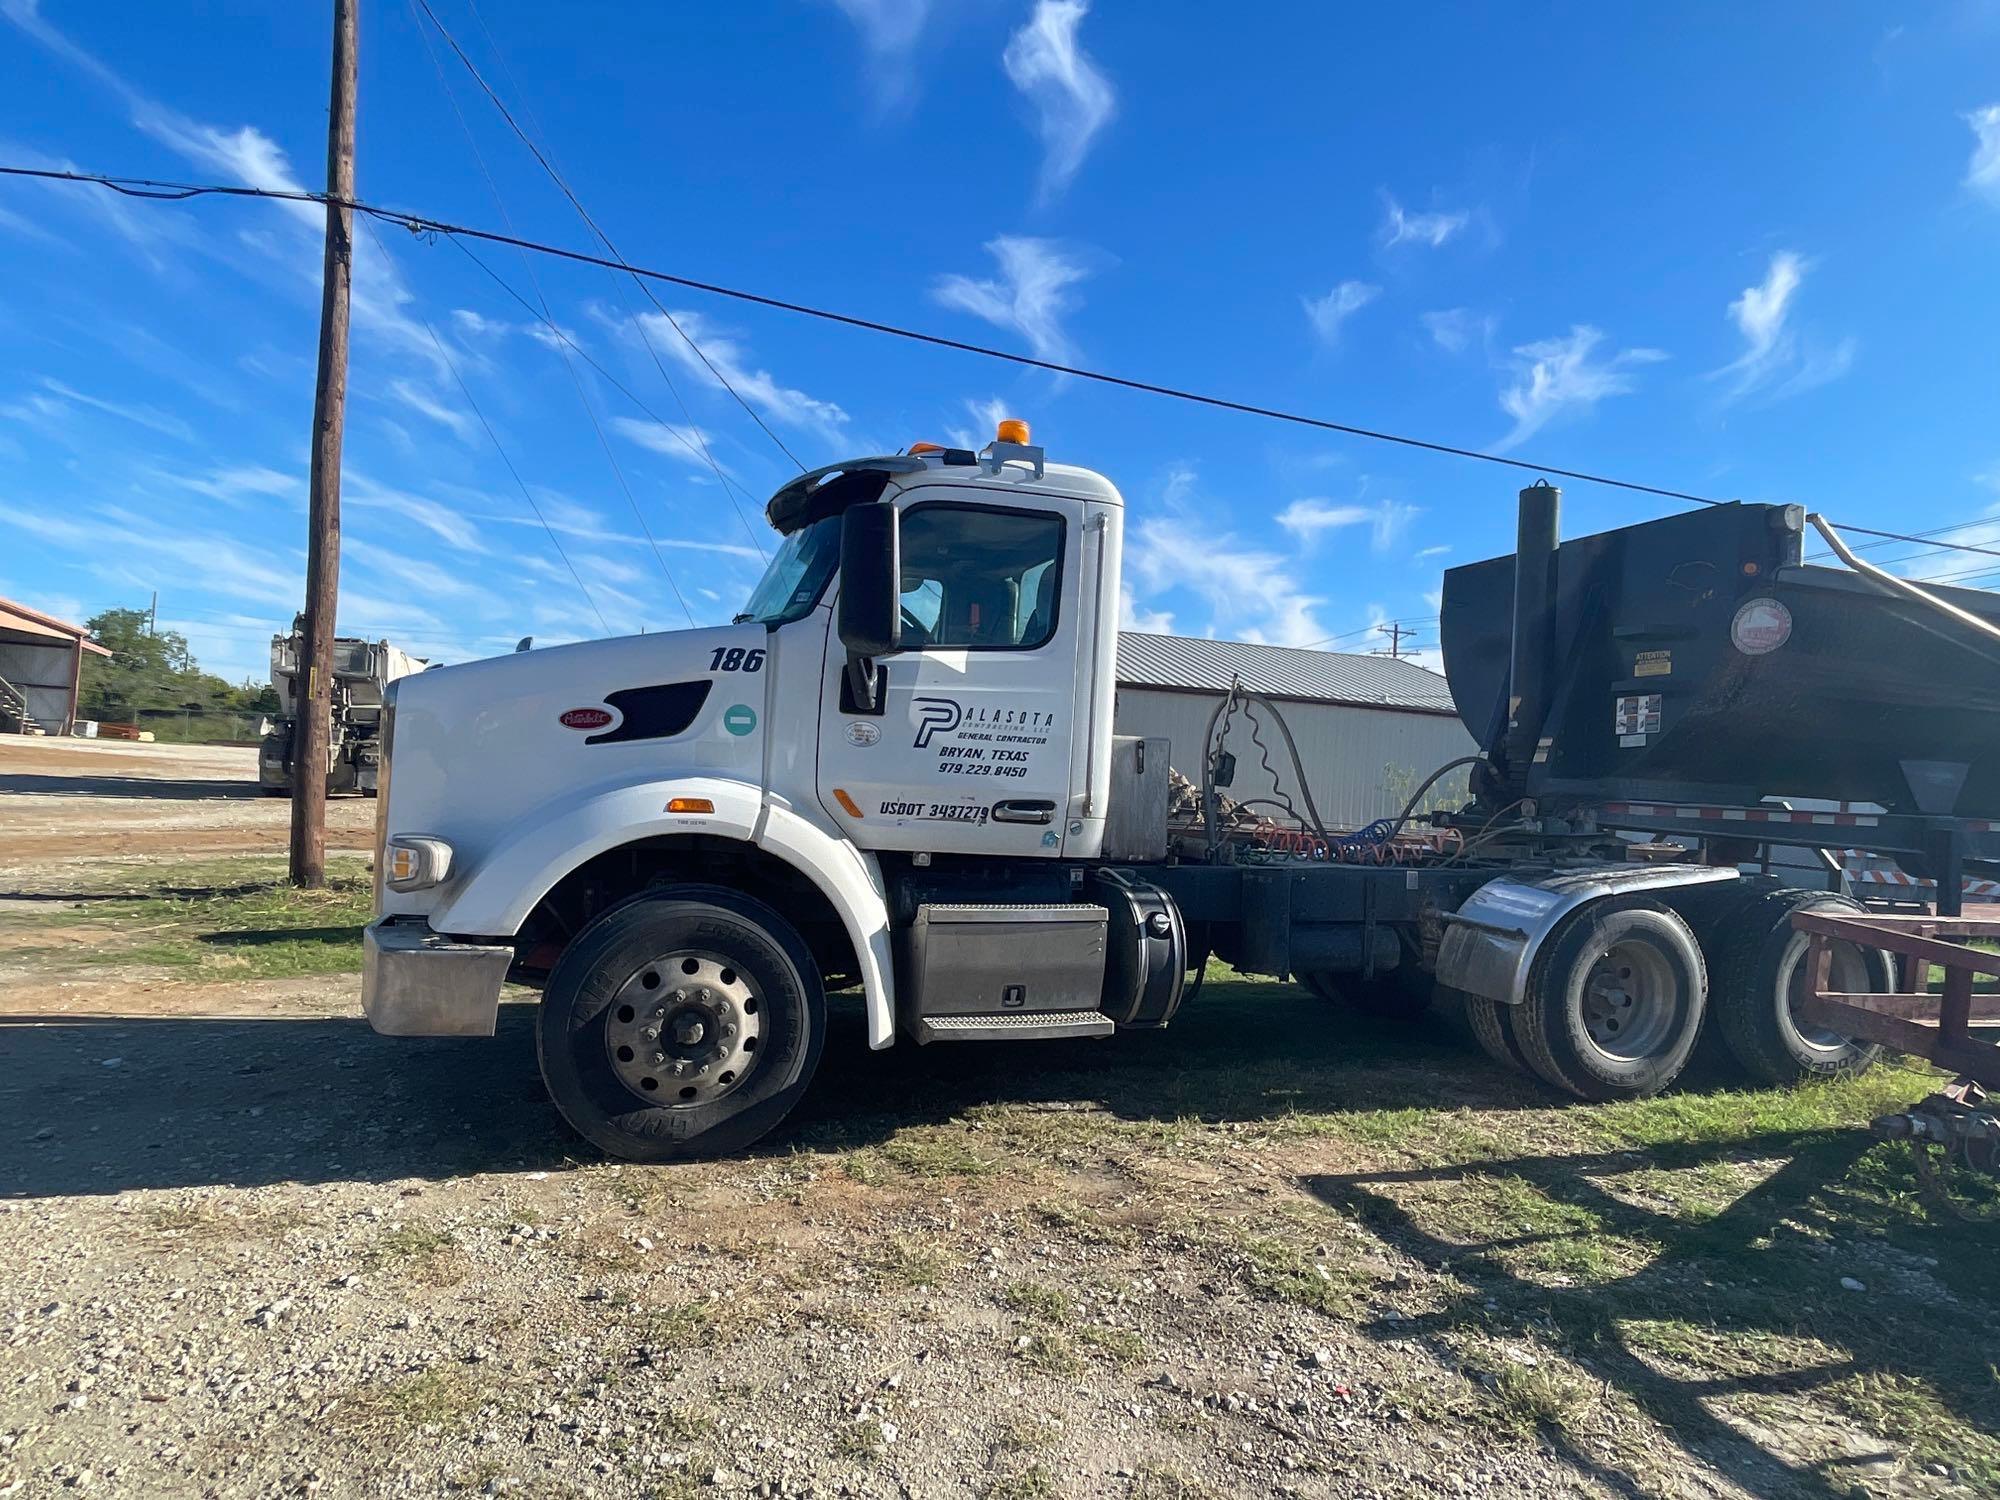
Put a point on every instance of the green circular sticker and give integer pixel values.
(740, 719)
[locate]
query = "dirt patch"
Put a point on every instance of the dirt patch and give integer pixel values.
(68, 801)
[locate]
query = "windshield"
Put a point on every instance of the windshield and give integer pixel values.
(793, 582)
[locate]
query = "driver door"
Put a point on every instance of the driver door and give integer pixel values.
(970, 749)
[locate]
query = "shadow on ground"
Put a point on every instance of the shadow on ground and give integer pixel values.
(192, 1101)
(155, 787)
(1766, 1266)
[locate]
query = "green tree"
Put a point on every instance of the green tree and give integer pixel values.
(149, 671)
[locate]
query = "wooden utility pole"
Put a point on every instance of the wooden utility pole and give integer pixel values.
(1395, 632)
(313, 727)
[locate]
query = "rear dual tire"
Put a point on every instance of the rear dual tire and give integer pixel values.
(1760, 964)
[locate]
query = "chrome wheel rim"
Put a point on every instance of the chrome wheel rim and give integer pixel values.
(684, 1029)
(1848, 973)
(1630, 999)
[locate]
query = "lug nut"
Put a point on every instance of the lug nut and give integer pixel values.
(680, 1068)
(728, 1032)
(658, 1058)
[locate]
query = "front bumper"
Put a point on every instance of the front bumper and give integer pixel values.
(415, 982)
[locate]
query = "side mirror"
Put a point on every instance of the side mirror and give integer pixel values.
(871, 570)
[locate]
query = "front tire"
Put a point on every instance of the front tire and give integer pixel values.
(684, 1024)
(1615, 1001)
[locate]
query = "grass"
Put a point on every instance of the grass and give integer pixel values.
(914, 1263)
(1032, 1299)
(418, 1252)
(205, 920)
(1048, 1351)
(442, 1398)
(1164, 1482)
(1121, 1345)
(930, 1152)
(1032, 1483)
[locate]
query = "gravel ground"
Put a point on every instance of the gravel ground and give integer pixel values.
(248, 1248)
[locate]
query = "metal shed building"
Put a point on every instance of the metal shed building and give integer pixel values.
(41, 665)
(1369, 728)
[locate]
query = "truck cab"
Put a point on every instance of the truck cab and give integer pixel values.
(704, 830)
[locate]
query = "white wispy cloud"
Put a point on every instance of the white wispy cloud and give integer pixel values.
(380, 300)
(1564, 376)
(238, 484)
(1031, 296)
(733, 363)
(672, 439)
(440, 520)
(1073, 100)
(1440, 551)
(986, 417)
(424, 404)
(1310, 519)
(1327, 314)
(1456, 329)
(1777, 360)
(149, 417)
(887, 26)
(1982, 173)
(1134, 616)
(1250, 590)
(1401, 227)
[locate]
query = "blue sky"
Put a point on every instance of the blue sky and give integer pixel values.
(1745, 251)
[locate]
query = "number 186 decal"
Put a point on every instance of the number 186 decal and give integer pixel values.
(736, 659)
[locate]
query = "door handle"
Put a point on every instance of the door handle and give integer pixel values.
(1024, 812)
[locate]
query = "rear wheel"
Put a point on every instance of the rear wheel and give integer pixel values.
(1614, 1001)
(682, 1024)
(1492, 1026)
(1760, 963)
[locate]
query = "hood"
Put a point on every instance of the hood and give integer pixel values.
(479, 746)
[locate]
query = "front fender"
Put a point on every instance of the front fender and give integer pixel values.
(497, 895)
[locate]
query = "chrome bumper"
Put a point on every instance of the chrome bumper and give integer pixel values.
(415, 982)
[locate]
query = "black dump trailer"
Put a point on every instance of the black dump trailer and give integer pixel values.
(1658, 707)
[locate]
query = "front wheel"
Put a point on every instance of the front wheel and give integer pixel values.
(687, 1023)
(1615, 1001)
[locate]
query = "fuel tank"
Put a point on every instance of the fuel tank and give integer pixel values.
(1697, 658)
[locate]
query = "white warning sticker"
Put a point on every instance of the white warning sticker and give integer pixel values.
(1638, 715)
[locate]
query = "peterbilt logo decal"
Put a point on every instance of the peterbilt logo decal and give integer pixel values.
(935, 716)
(585, 718)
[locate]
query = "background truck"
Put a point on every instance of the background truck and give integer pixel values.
(362, 672)
(896, 771)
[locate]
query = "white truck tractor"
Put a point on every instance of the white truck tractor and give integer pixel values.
(896, 771)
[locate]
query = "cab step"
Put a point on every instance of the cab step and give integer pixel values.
(1015, 1026)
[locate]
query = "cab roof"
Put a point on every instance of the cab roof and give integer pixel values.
(1016, 467)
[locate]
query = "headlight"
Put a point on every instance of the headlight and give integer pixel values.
(414, 862)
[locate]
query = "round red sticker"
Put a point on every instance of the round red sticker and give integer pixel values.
(586, 718)
(1761, 626)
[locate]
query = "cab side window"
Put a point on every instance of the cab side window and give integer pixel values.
(980, 579)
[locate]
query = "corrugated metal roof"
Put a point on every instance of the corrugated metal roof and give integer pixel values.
(1177, 661)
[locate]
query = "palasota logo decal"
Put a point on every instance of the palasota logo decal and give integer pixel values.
(586, 718)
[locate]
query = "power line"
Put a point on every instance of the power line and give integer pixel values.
(603, 238)
(699, 444)
(421, 224)
(465, 390)
(534, 281)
